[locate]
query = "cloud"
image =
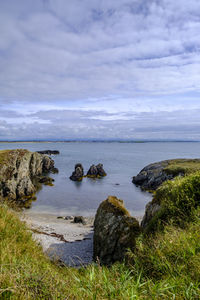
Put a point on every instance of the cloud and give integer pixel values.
(98, 61)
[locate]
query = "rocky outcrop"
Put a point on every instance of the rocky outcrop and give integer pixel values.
(150, 210)
(78, 173)
(114, 231)
(152, 176)
(19, 170)
(49, 152)
(96, 171)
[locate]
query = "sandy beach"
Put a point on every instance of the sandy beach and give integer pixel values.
(63, 240)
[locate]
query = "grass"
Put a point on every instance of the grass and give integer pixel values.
(182, 166)
(164, 265)
(179, 199)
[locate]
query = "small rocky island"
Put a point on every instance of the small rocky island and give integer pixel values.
(20, 172)
(93, 172)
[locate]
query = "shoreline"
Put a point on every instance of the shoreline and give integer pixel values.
(62, 240)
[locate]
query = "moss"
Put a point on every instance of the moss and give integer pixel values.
(114, 205)
(182, 166)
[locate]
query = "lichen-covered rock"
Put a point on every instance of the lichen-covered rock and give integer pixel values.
(96, 171)
(150, 210)
(18, 169)
(78, 173)
(114, 231)
(153, 175)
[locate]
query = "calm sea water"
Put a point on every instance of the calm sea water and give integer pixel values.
(121, 161)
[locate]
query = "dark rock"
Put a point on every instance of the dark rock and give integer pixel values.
(54, 170)
(151, 209)
(96, 171)
(92, 171)
(49, 152)
(46, 180)
(79, 219)
(152, 176)
(69, 218)
(114, 231)
(100, 170)
(78, 173)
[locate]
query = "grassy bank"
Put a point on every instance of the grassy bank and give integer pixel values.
(165, 265)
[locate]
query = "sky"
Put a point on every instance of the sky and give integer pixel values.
(100, 69)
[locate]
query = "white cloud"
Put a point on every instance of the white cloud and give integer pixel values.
(114, 56)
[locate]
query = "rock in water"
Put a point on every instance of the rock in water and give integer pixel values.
(100, 170)
(49, 152)
(78, 173)
(96, 171)
(18, 169)
(92, 171)
(114, 231)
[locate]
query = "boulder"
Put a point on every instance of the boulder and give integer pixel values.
(114, 231)
(49, 152)
(96, 171)
(152, 176)
(79, 219)
(19, 171)
(78, 173)
(93, 172)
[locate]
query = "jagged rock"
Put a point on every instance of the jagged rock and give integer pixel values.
(153, 175)
(18, 169)
(46, 180)
(49, 152)
(92, 171)
(79, 219)
(78, 173)
(96, 171)
(150, 210)
(114, 231)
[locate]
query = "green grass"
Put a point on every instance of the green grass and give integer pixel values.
(183, 166)
(164, 266)
(179, 199)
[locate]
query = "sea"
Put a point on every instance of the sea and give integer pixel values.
(121, 162)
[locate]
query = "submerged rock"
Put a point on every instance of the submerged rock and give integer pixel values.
(114, 231)
(96, 171)
(18, 171)
(49, 152)
(78, 173)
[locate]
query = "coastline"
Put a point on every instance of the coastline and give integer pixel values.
(62, 240)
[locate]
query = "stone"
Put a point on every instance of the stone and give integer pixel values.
(100, 170)
(92, 171)
(49, 152)
(152, 176)
(150, 210)
(19, 171)
(115, 231)
(69, 218)
(78, 173)
(79, 219)
(96, 171)
(46, 180)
